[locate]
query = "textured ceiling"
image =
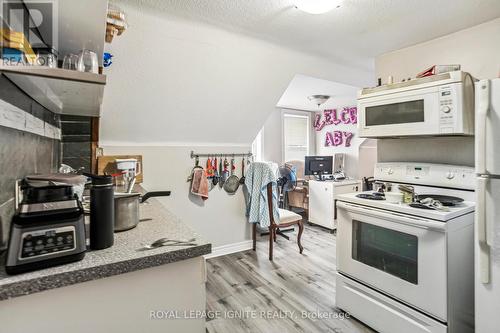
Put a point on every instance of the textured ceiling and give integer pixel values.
(351, 35)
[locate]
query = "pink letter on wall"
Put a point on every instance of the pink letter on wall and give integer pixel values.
(354, 114)
(345, 112)
(333, 116)
(328, 139)
(348, 138)
(328, 117)
(318, 124)
(337, 138)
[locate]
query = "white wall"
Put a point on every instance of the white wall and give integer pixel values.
(272, 143)
(220, 219)
(477, 49)
(367, 158)
(352, 152)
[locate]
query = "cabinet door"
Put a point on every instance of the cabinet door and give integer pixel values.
(321, 203)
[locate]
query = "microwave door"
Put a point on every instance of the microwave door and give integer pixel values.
(409, 114)
(487, 125)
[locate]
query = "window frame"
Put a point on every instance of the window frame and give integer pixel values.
(310, 134)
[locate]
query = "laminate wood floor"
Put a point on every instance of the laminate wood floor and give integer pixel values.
(248, 293)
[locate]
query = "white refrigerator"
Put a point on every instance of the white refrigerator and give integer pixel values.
(487, 231)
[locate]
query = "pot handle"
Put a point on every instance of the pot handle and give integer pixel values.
(148, 195)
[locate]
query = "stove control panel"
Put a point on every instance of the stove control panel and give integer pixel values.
(45, 242)
(442, 175)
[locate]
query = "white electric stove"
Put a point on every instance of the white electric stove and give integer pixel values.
(406, 269)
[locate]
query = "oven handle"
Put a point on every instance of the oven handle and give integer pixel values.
(394, 217)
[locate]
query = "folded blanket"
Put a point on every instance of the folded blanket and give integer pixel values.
(199, 184)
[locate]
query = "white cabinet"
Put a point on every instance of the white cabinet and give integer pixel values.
(139, 301)
(322, 200)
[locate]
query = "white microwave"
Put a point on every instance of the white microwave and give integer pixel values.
(432, 106)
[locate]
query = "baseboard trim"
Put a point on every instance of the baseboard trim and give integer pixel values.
(229, 248)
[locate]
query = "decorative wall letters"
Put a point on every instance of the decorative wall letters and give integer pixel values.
(337, 138)
(348, 115)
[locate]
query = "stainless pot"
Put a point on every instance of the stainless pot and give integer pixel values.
(127, 208)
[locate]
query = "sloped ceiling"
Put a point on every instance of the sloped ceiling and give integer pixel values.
(352, 34)
(175, 81)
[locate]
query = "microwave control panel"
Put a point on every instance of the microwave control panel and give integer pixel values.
(447, 109)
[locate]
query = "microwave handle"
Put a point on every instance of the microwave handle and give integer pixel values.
(394, 217)
(481, 121)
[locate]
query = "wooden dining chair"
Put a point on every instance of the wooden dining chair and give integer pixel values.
(287, 219)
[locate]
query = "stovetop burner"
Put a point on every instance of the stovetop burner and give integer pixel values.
(371, 196)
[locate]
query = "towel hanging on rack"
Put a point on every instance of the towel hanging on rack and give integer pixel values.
(199, 184)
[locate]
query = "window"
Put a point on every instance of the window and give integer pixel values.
(296, 131)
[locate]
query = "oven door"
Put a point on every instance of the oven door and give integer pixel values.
(408, 113)
(401, 255)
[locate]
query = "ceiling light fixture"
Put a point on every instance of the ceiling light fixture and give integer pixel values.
(317, 6)
(318, 99)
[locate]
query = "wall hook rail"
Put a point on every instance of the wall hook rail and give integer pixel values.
(198, 155)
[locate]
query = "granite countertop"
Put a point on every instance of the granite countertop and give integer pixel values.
(124, 256)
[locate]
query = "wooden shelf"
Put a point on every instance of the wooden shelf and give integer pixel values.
(60, 90)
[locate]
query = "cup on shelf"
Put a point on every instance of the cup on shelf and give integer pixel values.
(87, 62)
(70, 61)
